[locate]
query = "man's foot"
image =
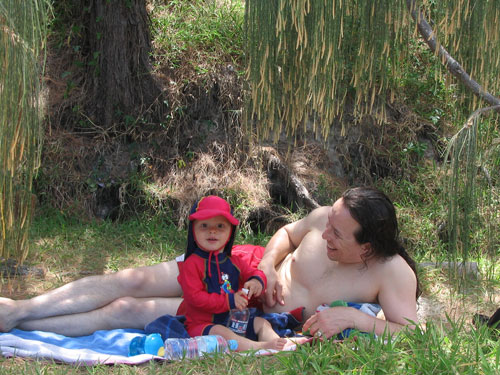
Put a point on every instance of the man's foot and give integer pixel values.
(7, 309)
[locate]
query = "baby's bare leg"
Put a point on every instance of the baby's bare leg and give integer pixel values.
(246, 344)
(265, 332)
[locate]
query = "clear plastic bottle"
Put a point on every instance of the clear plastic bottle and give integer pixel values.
(196, 347)
(238, 319)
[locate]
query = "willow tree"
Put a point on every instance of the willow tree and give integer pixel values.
(307, 59)
(22, 31)
(311, 60)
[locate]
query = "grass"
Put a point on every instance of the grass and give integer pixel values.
(458, 349)
(204, 29)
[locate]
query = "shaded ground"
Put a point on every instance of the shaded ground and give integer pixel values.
(200, 145)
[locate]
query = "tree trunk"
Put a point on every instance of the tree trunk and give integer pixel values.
(122, 87)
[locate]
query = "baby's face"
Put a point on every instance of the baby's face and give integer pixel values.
(212, 234)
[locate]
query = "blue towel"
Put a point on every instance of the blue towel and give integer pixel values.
(168, 326)
(114, 342)
(102, 347)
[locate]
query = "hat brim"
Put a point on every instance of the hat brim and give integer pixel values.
(208, 214)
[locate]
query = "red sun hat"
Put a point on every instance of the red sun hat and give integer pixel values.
(211, 206)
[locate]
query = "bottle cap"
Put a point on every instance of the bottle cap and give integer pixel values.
(153, 344)
(245, 290)
(233, 344)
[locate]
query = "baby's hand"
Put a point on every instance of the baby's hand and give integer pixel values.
(240, 300)
(254, 288)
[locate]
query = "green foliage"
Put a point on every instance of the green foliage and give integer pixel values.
(308, 60)
(202, 28)
(22, 37)
(466, 29)
(422, 85)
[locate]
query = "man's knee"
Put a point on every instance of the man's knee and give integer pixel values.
(123, 307)
(134, 280)
(159, 280)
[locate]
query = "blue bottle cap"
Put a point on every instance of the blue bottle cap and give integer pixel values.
(233, 344)
(153, 344)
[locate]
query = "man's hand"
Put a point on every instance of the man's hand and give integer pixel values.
(332, 321)
(254, 288)
(279, 246)
(274, 290)
(240, 300)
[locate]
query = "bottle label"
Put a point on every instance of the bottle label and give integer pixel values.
(238, 326)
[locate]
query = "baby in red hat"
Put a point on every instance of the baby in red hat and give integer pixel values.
(212, 280)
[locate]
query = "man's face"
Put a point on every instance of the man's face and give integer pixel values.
(212, 234)
(339, 235)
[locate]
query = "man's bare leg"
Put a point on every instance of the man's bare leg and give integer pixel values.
(91, 293)
(126, 312)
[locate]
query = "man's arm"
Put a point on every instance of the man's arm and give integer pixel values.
(283, 242)
(397, 294)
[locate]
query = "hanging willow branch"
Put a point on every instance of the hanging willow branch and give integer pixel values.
(451, 64)
(310, 60)
(307, 60)
(464, 194)
(22, 32)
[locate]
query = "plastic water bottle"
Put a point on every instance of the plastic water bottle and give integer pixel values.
(238, 319)
(196, 347)
(150, 344)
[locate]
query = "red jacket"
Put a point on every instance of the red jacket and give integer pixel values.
(209, 291)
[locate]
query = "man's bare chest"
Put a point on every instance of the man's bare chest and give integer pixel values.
(311, 271)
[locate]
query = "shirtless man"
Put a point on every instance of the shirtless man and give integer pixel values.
(348, 251)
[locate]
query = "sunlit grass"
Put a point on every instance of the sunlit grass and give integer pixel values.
(457, 349)
(201, 29)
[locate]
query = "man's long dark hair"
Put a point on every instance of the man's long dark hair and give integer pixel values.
(376, 215)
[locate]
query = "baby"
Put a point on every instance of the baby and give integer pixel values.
(212, 280)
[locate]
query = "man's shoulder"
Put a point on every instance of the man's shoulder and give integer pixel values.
(394, 266)
(321, 210)
(318, 216)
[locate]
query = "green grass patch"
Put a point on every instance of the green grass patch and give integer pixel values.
(200, 29)
(457, 349)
